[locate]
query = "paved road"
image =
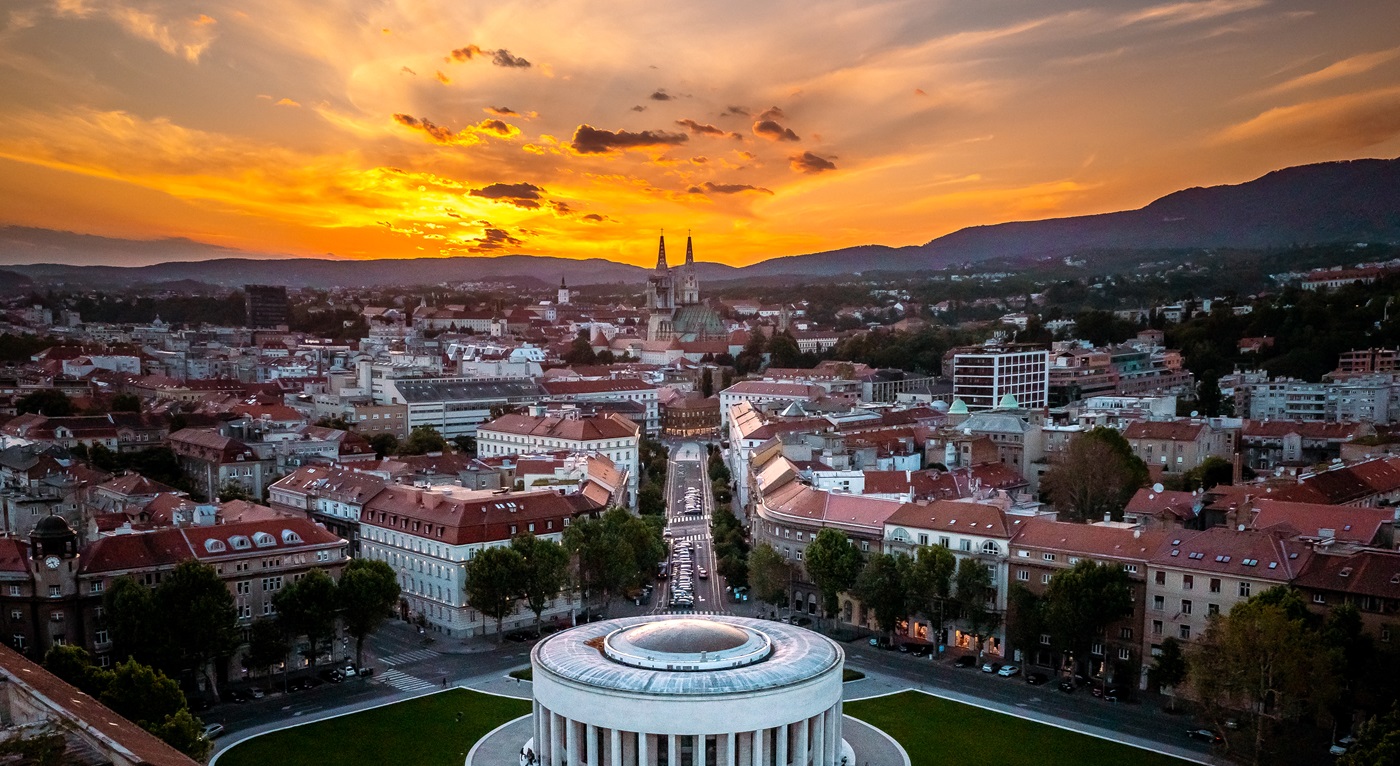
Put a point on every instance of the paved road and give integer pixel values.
(688, 473)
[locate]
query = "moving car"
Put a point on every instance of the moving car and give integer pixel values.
(965, 661)
(1205, 735)
(212, 730)
(703, 573)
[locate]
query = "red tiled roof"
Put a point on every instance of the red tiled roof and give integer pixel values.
(576, 387)
(1090, 540)
(606, 426)
(1274, 429)
(1170, 430)
(1363, 573)
(1347, 523)
(468, 520)
(952, 516)
(1275, 555)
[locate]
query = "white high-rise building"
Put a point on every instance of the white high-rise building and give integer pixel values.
(982, 378)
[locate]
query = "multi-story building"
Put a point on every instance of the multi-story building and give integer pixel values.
(211, 461)
(981, 533)
(329, 495)
(428, 536)
(1196, 574)
(457, 406)
(1079, 373)
(370, 419)
(759, 393)
(1366, 578)
(53, 588)
(1042, 548)
(266, 306)
(611, 390)
(984, 377)
(611, 435)
(1173, 447)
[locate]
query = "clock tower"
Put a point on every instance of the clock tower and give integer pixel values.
(53, 554)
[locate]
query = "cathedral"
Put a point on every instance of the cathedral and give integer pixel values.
(673, 301)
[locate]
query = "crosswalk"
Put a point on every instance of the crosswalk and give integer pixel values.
(407, 657)
(403, 681)
(696, 538)
(690, 611)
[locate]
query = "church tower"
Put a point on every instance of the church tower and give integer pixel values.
(690, 284)
(661, 292)
(563, 297)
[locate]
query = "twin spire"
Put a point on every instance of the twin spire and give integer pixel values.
(661, 252)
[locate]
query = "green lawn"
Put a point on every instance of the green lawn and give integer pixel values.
(419, 731)
(524, 674)
(936, 732)
(848, 675)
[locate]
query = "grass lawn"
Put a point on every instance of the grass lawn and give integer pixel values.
(524, 674)
(851, 675)
(419, 731)
(936, 731)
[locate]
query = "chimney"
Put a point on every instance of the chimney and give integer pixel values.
(1107, 517)
(1237, 476)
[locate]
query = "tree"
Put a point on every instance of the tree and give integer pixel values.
(881, 587)
(751, 358)
(384, 445)
(581, 351)
(465, 445)
(1212, 472)
(494, 581)
(185, 733)
(783, 350)
(131, 620)
(367, 592)
(1377, 742)
(707, 383)
(1082, 602)
(614, 552)
(267, 645)
(422, 440)
(126, 403)
(45, 401)
(308, 607)
(833, 564)
(651, 501)
(338, 422)
(196, 612)
(1264, 660)
(545, 571)
(972, 584)
(142, 694)
(1168, 669)
(770, 575)
(1095, 476)
(231, 491)
(930, 585)
(74, 665)
(1208, 398)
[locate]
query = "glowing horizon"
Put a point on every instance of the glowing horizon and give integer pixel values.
(434, 129)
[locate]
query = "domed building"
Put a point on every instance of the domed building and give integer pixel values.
(688, 691)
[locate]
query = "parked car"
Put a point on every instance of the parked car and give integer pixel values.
(335, 676)
(234, 695)
(1205, 735)
(1036, 679)
(965, 661)
(1067, 686)
(921, 650)
(880, 642)
(212, 730)
(991, 667)
(1008, 671)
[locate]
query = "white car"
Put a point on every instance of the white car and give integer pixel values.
(1008, 671)
(212, 730)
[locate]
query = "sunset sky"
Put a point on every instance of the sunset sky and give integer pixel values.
(404, 128)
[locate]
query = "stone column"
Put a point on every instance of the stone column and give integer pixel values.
(700, 742)
(819, 740)
(729, 752)
(571, 742)
(834, 733)
(804, 733)
(745, 748)
(556, 740)
(673, 750)
(644, 749)
(780, 745)
(759, 741)
(615, 747)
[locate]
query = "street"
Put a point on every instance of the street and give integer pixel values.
(688, 473)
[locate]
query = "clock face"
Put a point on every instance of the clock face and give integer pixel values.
(52, 562)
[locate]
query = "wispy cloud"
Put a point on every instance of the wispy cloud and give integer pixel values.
(1350, 122)
(1347, 67)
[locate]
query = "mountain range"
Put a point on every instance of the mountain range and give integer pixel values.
(1348, 201)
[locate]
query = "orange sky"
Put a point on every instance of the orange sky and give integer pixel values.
(440, 127)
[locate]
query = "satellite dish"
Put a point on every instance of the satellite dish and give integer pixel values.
(1158, 488)
(1195, 414)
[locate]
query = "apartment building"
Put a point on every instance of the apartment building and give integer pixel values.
(984, 377)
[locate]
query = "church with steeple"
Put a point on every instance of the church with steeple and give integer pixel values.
(673, 301)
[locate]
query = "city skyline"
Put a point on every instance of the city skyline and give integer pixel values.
(368, 132)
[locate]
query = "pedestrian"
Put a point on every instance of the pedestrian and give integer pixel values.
(459, 720)
(444, 682)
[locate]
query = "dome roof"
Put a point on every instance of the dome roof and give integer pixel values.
(52, 527)
(686, 636)
(1008, 402)
(959, 407)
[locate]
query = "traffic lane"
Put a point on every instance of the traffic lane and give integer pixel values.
(1138, 720)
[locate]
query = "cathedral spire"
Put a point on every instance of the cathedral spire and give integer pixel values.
(661, 253)
(689, 253)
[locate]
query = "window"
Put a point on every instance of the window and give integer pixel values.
(102, 637)
(16, 615)
(55, 591)
(1185, 632)
(923, 539)
(1023, 575)
(1385, 634)
(271, 583)
(1130, 568)
(945, 542)
(799, 554)
(14, 590)
(244, 588)
(1096, 648)
(1319, 598)
(17, 640)
(1045, 639)
(1126, 634)
(1212, 609)
(1215, 585)
(95, 588)
(1159, 602)
(965, 544)
(991, 548)
(1125, 654)
(1161, 577)
(1185, 606)
(1048, 556)
(1188, 582)
(1244, 590)
(1045, 579)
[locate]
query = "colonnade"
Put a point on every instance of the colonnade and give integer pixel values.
(814, 741)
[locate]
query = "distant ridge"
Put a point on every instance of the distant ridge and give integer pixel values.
(1356, 200)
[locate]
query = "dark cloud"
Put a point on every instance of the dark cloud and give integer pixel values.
(660, 95)
(493, 239)
(591, 140)
(436, 132)
(639, 108)
(562, 208)
(699, 160)
(773, 131)
(773, 113)
(714, 188)
(595, 218)
(735, 110)
(748, 155)
(503, 58)
(522, 195)
(502, 111)
(406, 70)
(807, 162)
(468, 53)
(702, 129)
(498, 127)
